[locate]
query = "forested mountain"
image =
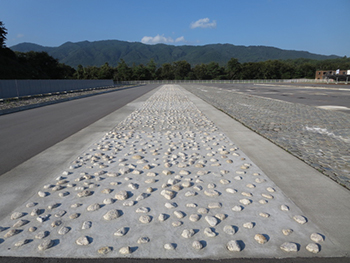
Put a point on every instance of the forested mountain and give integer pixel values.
(111, 51)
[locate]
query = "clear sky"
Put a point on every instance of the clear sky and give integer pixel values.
(317, 26)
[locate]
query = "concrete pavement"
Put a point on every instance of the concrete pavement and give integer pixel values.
(260, 178)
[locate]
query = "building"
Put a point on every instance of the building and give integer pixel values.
(333, 74)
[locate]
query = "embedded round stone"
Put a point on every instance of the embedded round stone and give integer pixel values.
(42, 194)
(46, 245)
(170, 205)
(179, 214)
(287, 232)
(162, 217)
(230, 230)
(316, 237)
(137, 157)
(284, 208)
(125, 250)
(22, 242)
(143, 240)
(112, 214)
(265, 215)
(194, 217)
(245, 201)
(42, 234)
(145, 219)
(169, 246)
(142, 210)
(220, 216)
(122, 195)
(63, 230)
(211, 193)
(121, 232)
(237, 208)
(168, 194)
(261, 239)
(176, 223)
(83, 241)
(234, 246)
(17, 215)
(86, 225)
(187, 233)
(231, 191)
(108, 201)
(289, 247)
(211, 220)
(20, 223)
(209, 232)
(11, 233)
(197, 245)
(93, 207)
(300, 219)
(248, 225)
(104, 250)
(313, 248)
(214, 205)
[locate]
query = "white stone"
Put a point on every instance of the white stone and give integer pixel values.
(261, 239)
(121, 232)
(287, 231)
(313, 248)
(300, 219)
(197, 245)
(248, 225)
(230, 230)
(93, 207)
(234, 246)
(316, 237)
(211, 220)
(289, 247)
(112, 214)
(187, 233)
(179, 214)
(46, 244)
(169, 246)
(145, 219)
(208, 232)
(86, 225)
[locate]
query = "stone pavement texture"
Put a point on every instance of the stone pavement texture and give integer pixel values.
(319, 137)
(164, 183)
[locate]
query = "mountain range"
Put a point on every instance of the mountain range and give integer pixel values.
(98, 53)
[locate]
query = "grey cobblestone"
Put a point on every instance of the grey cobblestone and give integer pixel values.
(319, 137)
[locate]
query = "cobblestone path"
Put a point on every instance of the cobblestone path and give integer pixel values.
(319, 137)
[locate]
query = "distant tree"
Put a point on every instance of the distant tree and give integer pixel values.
(79, 73)
(181, 69)
(105, 72)
(3, 33)
(124, 72)
(233, 69)
(166, 72)
(152, 67)
(141, 72)
(215, 71)
(200, 71)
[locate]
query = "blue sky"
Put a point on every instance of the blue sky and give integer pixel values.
(317, 26)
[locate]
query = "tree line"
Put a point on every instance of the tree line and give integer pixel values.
(233, 70)
(40, 65)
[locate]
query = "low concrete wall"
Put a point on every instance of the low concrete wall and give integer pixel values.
(22, 88)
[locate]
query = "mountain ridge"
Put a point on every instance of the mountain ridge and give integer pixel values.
(97, 53)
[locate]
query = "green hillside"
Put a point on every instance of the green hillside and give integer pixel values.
(99, 52)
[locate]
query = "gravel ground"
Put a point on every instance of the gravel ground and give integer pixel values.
(319, 137)
(12, 105)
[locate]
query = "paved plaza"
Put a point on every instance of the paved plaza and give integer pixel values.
(166, 182)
